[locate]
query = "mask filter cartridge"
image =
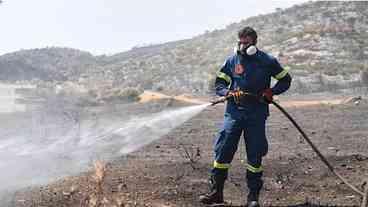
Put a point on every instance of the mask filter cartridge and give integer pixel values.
(251, 50)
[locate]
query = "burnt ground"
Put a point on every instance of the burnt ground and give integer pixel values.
(173, 171)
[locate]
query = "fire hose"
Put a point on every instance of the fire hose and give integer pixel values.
(315, 149)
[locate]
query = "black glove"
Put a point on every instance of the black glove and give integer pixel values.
(267, 96)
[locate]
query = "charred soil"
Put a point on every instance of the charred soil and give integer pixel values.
(173, 171)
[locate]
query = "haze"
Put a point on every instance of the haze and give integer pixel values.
(111, 26)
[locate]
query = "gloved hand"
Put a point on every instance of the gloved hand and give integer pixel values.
(267, 95)
(236, 94)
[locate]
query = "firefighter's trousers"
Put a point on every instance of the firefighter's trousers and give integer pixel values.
(256, 144)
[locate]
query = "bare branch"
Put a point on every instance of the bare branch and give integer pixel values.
(190, 153)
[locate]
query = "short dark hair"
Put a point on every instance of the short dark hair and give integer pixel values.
(248, 31)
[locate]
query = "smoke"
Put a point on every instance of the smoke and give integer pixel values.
(62, 151)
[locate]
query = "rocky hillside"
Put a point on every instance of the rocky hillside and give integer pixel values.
(46, 64)
(313, 38)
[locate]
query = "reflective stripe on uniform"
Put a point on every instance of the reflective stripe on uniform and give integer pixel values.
(221, 165)
(281, 74)
(223, 76)
(254, 169)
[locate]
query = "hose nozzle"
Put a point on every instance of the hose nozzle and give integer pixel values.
(219, 100)
(236, 95)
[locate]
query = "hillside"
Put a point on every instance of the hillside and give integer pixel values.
(313, 38)
(45, 64)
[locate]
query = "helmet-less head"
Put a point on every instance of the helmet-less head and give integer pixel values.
(247, 41)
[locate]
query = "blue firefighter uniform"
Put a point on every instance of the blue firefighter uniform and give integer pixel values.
(252, 74)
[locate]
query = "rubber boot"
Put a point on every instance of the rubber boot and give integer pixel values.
(215, 195)
(252, 199)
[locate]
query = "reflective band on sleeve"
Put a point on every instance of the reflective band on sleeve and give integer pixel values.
(281, 74)
(221, 165)
(223, 76)
(254, 169)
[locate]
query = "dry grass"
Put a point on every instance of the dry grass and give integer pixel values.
(100, 171)
(96, 198)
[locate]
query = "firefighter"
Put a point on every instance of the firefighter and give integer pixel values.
(249, 70)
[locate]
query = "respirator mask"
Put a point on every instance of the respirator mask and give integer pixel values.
(247, 49)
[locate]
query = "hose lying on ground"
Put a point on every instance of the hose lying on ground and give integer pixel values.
(324, 160)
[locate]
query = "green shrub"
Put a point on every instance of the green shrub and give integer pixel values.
(130, 93)
(211, 83)
(364, 77)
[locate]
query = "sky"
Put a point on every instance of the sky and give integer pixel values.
(112, 26)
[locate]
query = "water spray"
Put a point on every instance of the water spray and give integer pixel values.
(37, 159)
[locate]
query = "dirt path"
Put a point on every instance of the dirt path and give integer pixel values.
(148, 96)
(173, 171)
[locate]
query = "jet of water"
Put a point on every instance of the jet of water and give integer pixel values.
(36, 161)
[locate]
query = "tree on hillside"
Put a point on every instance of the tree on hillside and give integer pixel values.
(364, 77)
